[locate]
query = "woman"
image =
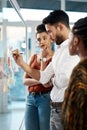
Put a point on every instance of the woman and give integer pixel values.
(74, 109)
(37, 115)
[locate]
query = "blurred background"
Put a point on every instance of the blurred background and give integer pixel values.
(18, 20)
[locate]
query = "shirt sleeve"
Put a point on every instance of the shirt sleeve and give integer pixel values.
(47, 74)
(65, 70)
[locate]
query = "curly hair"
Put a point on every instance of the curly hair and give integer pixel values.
(40, 28)
(80, 28)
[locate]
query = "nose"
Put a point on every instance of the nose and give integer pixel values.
(51, 37)
(41, 42)
(50, 34)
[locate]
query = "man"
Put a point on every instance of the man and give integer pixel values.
(57, 25)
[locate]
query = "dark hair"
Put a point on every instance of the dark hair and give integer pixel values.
(80, 28)
(57, 16)
(40, 28)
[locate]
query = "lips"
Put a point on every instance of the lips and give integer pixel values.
(42, 46)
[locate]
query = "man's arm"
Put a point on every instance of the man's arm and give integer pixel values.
(42, 76)
(27, 80)
(34, 73)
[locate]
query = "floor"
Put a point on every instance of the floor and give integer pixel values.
(14, 117)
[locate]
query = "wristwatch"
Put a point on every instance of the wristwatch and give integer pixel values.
(43, 59)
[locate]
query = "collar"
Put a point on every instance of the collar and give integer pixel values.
(64, 43)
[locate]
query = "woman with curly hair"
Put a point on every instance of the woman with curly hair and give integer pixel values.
(74, 109)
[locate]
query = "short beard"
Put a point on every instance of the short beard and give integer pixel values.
(59, 40)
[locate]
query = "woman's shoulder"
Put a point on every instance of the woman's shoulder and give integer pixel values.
(32, 58)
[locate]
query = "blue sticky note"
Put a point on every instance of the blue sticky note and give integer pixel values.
(1, 50)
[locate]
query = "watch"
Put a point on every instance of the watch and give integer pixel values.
(43, 59)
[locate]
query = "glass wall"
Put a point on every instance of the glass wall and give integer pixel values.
(16, 39)
(12, 36)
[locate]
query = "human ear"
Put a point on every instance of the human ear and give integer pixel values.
(59, 26)
(76, 43)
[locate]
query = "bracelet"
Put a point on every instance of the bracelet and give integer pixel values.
(43, 59)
